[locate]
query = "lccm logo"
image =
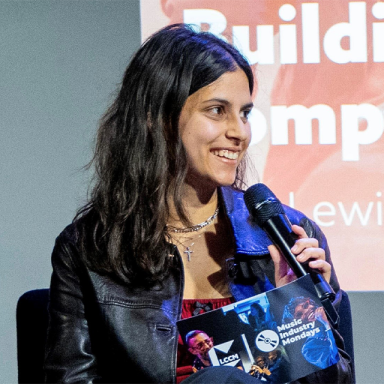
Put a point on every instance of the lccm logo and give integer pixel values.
(219, 355)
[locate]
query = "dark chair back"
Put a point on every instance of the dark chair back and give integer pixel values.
(32, 325)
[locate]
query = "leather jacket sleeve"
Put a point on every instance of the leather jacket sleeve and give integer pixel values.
(68, 356)
(340, 373)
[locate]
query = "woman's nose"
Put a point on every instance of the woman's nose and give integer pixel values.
(238, 129)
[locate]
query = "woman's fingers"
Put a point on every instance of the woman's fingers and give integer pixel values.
(322, 267)
(306, 245)
(307, 251)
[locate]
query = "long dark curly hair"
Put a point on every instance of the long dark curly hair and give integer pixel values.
(139, 159)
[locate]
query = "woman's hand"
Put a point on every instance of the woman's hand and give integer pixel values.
(307, 249)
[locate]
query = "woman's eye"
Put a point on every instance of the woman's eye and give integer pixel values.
(245, 114)
(217, 110)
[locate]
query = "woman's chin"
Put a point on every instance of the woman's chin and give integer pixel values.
(203, 182)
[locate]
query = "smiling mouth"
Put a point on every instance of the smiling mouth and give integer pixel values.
(226, 154)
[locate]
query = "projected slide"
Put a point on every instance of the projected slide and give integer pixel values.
(317, 127)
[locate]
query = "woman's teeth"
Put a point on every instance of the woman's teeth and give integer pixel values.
(227, 154)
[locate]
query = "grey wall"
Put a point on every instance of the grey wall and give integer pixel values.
(368, 333)
(60, 61)
(59, 64)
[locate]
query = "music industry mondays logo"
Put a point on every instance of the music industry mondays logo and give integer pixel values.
(267, 341)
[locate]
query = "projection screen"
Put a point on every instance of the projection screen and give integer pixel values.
(317, 126)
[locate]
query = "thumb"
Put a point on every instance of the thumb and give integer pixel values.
(281, 267)
(283, 274)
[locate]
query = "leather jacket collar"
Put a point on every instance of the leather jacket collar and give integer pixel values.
(250, 239)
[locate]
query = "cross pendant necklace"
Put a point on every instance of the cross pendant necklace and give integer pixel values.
(188, 251)
(201, 228)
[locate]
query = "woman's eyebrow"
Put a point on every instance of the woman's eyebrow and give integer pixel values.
(217, 100)
(226, 102)
(246, 106)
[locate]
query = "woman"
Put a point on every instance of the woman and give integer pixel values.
(165, 227)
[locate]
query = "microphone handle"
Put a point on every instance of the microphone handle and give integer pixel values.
(280, 232)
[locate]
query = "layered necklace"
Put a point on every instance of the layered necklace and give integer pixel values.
(194, 228)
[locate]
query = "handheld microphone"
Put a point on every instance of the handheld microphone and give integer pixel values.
(268, 212)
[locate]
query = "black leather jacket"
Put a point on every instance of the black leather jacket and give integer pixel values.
(103, 331)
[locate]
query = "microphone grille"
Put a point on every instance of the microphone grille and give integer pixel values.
(262, 203)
